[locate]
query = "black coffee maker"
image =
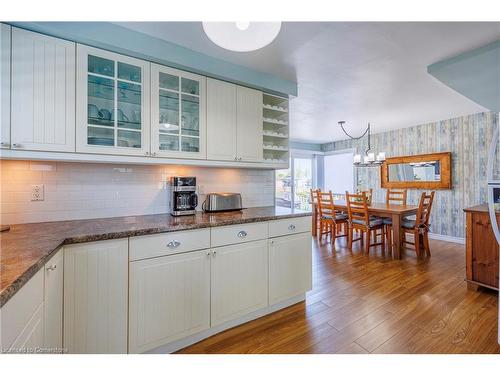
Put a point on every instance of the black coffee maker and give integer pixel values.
(183, 196)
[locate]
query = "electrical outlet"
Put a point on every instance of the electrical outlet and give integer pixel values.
(37, 193)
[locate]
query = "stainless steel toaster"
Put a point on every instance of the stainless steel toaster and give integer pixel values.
(222, 202)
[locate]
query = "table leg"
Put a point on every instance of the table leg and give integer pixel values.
(396, 228)
(314, 230)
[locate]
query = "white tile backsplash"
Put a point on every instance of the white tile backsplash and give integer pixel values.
(85, 191)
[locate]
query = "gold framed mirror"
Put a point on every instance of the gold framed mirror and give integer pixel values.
(425, 171)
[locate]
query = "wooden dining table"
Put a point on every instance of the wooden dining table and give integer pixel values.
(395, 211)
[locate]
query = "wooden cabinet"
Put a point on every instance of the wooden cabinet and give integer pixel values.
(53, 303)
(42, 92)
(249, 124)
(290, 266)
(239, 278)
(5, 32)
(481, 249)
(96, 297)
(112, 103)
(178, 113)
(221, 120)
(169, 299)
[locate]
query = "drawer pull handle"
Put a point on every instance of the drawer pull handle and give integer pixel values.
(174, 243)
(291, 227)
(51, 268)
(242, 234)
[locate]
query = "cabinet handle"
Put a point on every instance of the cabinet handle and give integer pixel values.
(208, 253)
(174, 243)
(17, 145)
(214, 253)
(51, 268)
(146, 153)
(291, 227)
(242, 234)
(4, 144)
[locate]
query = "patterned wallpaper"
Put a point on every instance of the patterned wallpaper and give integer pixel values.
(468, 138)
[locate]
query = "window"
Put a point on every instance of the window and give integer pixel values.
(293, 184)
(338, 173)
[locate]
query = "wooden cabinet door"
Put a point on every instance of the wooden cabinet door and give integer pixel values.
(96, 297)
(290, 266)
(249, 141)
(484, 251)
(5, 49)
(53, 305)
(112, 103)
(239, 280)
(169, 299)
(178, 113)
(43, 92)
(221, 120)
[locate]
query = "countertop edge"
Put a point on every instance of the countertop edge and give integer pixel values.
(17, 284)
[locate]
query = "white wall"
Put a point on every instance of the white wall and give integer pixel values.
(83, 191)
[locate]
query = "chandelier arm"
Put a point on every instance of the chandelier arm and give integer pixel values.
(350, 136)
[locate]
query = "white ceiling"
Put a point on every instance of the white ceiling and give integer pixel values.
(354, 71)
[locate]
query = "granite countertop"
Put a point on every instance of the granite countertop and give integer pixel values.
(27, 247)
(478, 208)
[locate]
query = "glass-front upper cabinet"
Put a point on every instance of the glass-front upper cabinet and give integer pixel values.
(178, 113)
(112, 103)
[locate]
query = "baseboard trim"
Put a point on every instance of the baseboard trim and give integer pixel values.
(442, 237)
(182, 343)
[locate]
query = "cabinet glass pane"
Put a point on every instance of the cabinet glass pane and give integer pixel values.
(129, 105)
(101, 96)
(190, 115)
(169, 142)
(169, 112)
(129, 72)
(101, 66)
(168, 81)
(190, 144)
(128, 138)
(100, 136)
(190, 86)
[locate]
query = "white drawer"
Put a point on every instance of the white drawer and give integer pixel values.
(233, 234)
(155, 245)
(284, 227)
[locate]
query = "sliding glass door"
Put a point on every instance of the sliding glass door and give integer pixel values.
(293, 184)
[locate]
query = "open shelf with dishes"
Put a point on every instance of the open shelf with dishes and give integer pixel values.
(275, 129)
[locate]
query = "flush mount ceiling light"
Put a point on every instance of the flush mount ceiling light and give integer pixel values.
(242, 36)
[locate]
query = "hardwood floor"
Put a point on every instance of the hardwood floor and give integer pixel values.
(371, 304)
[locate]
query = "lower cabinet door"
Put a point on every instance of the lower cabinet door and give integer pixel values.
(31, 338)
(290, 266)
(239, 280)
(96, 297)
(53, 306)
(169, 299)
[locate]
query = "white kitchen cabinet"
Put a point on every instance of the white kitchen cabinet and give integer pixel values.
(239, 279)
(96, 297)
(178, 113)
(249, 124)
(221, 120)
(112, 103)
(53, 303)
(169, 299)
(42, 92)
(31, 338)
(290, 266)
(5, 38)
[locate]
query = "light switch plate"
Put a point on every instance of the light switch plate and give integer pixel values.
(37, 193)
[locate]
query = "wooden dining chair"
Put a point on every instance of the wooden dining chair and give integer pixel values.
(393, 197)
(330, 218)
(419, 227)
(314, 204)
(359, 219)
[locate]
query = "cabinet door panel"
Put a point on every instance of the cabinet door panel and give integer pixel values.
(221, 120)
(95, 297)
(31, 338)
(43, 92)
(249, 124)
(5, 49)
(169, 299)
(290, 266)
(485, 251)
(239, 280)
(53, 306)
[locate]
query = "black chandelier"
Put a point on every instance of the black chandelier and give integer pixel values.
(369, 159)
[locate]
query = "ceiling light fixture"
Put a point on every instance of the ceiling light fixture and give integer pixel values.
(242, 36)
(369, 160)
